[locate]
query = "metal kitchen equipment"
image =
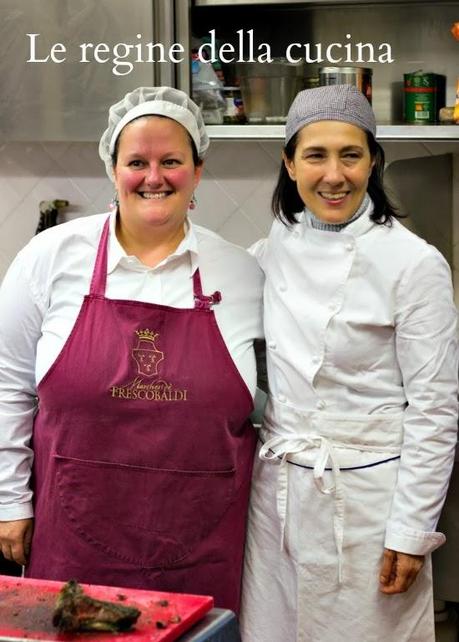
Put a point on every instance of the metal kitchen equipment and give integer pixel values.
(219, 625)
(423, 97)
(49, 211)
(361, 77)
(48, 104)
(269, 88)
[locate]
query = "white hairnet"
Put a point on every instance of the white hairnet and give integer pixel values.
(161, 101)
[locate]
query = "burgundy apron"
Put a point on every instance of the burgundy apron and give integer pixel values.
(143, 450)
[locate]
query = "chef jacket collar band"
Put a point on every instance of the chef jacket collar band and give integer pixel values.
(355, 228)
(318, 224)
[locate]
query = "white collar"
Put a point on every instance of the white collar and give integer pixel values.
(117, 254)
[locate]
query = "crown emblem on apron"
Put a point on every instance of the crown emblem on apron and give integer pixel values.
(145, 354)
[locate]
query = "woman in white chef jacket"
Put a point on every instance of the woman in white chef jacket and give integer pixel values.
(360, 427)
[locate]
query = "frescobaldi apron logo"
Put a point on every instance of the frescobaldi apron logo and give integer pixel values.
(148, 358)
(146, 354)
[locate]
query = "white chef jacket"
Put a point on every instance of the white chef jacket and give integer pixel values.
(41, 296)
(363, 322)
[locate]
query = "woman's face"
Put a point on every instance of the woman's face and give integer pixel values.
(154, 174)
(331, 168)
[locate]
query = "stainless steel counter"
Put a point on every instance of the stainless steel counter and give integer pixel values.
(219, 625)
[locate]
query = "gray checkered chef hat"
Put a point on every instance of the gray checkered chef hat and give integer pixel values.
(159, 101)
(332, 102)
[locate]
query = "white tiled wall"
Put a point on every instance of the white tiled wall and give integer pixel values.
(233, 197)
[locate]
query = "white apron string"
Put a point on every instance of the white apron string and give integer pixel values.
(279, 447)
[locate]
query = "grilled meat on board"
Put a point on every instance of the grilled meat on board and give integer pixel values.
(76, 611)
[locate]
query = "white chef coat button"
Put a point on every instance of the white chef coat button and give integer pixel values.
(272, 345)
(321, 404)
(349, 247)
(315, 359)
(332, 306)
(282, 398)
(283, 287)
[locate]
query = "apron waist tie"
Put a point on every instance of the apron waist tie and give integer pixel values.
(279, 447)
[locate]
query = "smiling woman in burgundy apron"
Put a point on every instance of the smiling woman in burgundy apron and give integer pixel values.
(143, 327)
(359, 433)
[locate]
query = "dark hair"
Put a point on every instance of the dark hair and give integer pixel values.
(196, 160)
(286, 201)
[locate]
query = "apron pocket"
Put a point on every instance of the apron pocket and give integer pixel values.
(151, 517)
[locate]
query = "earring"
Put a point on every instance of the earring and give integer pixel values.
(113, 205)
(193, 203)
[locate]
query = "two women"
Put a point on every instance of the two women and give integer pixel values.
(360, 428)
(135, 332)
(127, 376)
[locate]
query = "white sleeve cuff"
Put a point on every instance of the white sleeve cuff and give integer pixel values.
(16, 511)
(407, 540)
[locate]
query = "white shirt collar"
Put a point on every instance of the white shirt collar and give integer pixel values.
(117, 255)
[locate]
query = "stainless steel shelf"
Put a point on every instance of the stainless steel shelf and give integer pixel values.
(246, 131)
(222, 3)
(413, 133)
(419, 133)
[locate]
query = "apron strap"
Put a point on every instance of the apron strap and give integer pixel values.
(279, 447)
(201, 301)
(99, 274)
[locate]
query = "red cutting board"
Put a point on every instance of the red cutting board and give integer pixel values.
(26, 608)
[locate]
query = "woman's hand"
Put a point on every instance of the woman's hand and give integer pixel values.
(398, 571)
(15, 538)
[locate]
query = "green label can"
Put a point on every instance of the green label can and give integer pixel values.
(420, 104)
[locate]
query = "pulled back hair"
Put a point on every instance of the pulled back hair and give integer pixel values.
(286, 201)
